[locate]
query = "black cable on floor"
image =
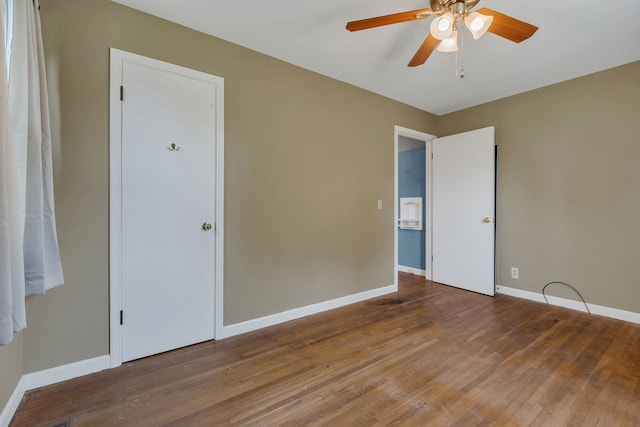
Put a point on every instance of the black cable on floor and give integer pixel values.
(566, 284)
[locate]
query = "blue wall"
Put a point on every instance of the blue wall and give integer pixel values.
(411, 183)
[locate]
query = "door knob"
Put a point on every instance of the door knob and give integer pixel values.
(206, 226)
(486, 220)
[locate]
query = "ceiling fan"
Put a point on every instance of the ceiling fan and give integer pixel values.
(451, 15)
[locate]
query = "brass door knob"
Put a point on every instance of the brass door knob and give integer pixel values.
(486, 220)
(206, 226)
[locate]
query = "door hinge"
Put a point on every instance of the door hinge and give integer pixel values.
(121, 317)
(431, 257)
(121, 93)
(432, 155)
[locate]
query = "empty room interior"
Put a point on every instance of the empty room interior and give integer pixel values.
(307, 311)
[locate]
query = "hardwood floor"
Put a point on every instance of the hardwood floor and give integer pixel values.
(431, 355)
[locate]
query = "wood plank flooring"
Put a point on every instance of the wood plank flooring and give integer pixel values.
(430, 355)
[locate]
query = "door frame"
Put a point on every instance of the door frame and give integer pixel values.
(117, 58)
(426, 138)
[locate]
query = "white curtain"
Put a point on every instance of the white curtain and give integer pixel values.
(29, 258)
(12, 311)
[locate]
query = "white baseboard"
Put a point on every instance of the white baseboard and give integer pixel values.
(412, 270)
(627, 316)
(12, 405)
(48, 377)
(66, 372)
(297, 313)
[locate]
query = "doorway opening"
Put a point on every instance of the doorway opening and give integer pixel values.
(412, 195)
(445, 202)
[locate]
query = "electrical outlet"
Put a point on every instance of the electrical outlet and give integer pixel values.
(514, 273)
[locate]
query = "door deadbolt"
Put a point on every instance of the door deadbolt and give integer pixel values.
(206, 226)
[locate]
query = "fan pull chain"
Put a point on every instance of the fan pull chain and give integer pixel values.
(462, 51)
(456, 62)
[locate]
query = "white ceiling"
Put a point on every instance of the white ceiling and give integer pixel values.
(576, 37)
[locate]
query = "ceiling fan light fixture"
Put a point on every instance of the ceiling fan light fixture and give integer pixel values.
(450, 44)
(442, 26)
(450, 15)
(478, 24)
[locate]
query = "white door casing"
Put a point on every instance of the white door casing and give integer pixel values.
(166, 183)
(463, 203)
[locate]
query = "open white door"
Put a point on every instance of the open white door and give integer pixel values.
(463, 200)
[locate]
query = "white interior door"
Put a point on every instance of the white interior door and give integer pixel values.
(168, 194)
(463, 194)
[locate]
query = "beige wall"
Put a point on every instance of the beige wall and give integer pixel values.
(10, 368)
(568, 184)
(306, 159)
